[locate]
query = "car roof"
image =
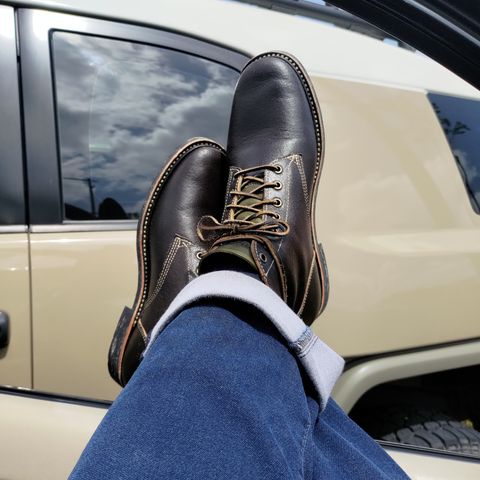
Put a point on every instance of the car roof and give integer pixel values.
(324, 49)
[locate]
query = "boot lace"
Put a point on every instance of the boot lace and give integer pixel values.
(247, 212)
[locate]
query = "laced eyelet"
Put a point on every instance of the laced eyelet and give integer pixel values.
(262, 257)
(278, 186)
(278, 169)
(276, 216)
(199, 255)
(277, 202)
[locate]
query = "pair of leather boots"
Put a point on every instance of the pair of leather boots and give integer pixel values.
(265, 221)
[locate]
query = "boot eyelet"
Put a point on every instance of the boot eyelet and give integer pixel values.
(199, 255)
(278, 169)
(262, 257)
(277, 202)
(276, 215)
(278, 186)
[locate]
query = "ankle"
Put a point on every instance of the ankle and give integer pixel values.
(225, 261)
(219, 259)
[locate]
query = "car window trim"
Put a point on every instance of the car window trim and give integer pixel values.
(41, 132)
(86, 226)
(12, 192)
(13, 229)
(466, 179)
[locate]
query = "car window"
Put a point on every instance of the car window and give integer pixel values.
(459, 120)
(122, 109)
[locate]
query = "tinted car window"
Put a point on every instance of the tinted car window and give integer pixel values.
(122, 109)
(460, 119)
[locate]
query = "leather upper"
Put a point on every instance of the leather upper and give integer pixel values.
(271, 116)
(275, 120)
(167, 241)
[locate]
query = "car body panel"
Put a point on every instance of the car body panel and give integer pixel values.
(52, 433)
(400, 237)
(434, 466)
(16, 358)
(43, 438)
(81, 283)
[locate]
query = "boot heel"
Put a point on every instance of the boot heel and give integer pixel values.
(116, 345)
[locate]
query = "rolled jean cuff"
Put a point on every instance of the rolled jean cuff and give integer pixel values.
(320, 362)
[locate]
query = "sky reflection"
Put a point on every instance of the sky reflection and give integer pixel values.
(123, 108)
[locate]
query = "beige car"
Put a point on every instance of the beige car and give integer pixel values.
(95, 96)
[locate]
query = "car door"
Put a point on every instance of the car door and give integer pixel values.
(15, 333)
(106, 104)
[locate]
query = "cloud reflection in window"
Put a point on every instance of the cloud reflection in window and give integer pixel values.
(123, 108)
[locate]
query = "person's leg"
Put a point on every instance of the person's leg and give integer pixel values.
(221, 394)
(339, 448)
(217, 396)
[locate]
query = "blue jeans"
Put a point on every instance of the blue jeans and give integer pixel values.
(220, 396)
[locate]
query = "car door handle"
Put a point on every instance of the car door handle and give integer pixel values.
(4, 330)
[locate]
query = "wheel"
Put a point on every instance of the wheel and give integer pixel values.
(442, 435)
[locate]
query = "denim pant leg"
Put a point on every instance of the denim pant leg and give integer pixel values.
(340, 449)
(220, 396)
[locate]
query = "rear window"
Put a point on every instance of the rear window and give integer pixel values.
(460, 120)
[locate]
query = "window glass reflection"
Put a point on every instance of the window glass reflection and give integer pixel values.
(123, 108)
(460, 120)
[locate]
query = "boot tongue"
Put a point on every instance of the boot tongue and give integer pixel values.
(239, 249)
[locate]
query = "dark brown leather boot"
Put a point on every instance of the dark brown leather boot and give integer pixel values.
(191, 185)
(275, 150)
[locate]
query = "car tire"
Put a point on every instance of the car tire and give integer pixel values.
(442, 435)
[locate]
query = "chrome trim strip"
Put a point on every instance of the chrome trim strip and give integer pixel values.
(13, 229)
(86, 226)
(53, 397)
